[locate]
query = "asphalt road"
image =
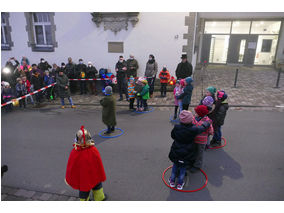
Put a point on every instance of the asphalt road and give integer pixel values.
(35, 144)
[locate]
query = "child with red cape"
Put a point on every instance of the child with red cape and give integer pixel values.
(85, 171)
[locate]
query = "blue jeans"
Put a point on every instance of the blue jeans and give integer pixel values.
(70, 101)
(180, 170)
(218, 134)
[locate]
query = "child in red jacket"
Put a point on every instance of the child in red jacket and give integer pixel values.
(85, 170)
(164, 79)
(201, 139)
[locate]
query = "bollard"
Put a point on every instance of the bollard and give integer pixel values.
(278, 78)
(236, 77)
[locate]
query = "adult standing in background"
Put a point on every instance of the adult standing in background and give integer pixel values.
(81, 69)
(151, 72)
(70, 71)
(43, 65)
(91, 73)
(121, 69)
(184, 68)
(132, 66)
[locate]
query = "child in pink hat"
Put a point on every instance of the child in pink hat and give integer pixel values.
(182, 152)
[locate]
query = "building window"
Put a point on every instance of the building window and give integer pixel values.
(115, 47)
(241, 27)
(266, 49)
(41, 31)
(222, 27)
(6, 41)
(265, 27)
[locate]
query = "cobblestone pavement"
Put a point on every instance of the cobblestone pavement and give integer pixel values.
(255, 87)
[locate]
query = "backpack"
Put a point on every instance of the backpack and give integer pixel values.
(102, 72)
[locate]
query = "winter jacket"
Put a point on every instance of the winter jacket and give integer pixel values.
(108, 115)
(131, 91)
(183, 148)
(91, 72)
(37, 81)
(20, 90)
(187, 93)
(132, 67)
(70, 70)
(138, 88)
(44, 66)
(27, 85)
(8, 94)
(121, 73)
(145, 92)
(151, 69)
(183, 70)
(62, 82)
(164, 77)
(177, 92)
(48, 80)
(203, 137)
(81, 71)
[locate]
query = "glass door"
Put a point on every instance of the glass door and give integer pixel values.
(219, 49)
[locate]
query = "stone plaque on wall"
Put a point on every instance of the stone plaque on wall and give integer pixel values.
(115, 47)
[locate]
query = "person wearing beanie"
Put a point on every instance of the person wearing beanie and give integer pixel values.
(108, 113)
(81, 69)
(132, 66)
(131, 93)
(210, 91)
(138, 89)
(218, 116)
(201, 139)
(178, 90)
(145, 94)
(85, 170)
(187, 93)
(164, 79)
(208, 101)
(182, 152)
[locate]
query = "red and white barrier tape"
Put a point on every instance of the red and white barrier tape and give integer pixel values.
(24, 96)
(94, 79)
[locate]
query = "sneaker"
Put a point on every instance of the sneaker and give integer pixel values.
(62, 107)
(73, 106)
(194, 169)
(180, 186)
(172, 183)
(217, 143)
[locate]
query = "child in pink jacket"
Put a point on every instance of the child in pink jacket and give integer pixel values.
(201, 139)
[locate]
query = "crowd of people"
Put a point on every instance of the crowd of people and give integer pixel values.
(21, 78)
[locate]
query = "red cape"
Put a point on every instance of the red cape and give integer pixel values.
(85, 169)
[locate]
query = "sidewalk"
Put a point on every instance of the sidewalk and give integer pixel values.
(16, 194)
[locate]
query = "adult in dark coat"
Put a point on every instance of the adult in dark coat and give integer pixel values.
(121, 69)
(63, 89)
(91, 72)
(81, 74)
(43, 65)
(37, 82)
(108, 115)
(13, 73)
(70, 71)
(132, 67)
(184, 68)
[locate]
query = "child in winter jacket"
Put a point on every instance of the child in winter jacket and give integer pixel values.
(8, 95)
(178, 90)
(21, 91)
(48, 79)
(145, 94)
(108, 115)
(164, 79)
(138, 89)
(182, 152)
(218, 116)
(187, 93)
(210, 91)
(131, 93)
(201, 139)
(29, 89)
